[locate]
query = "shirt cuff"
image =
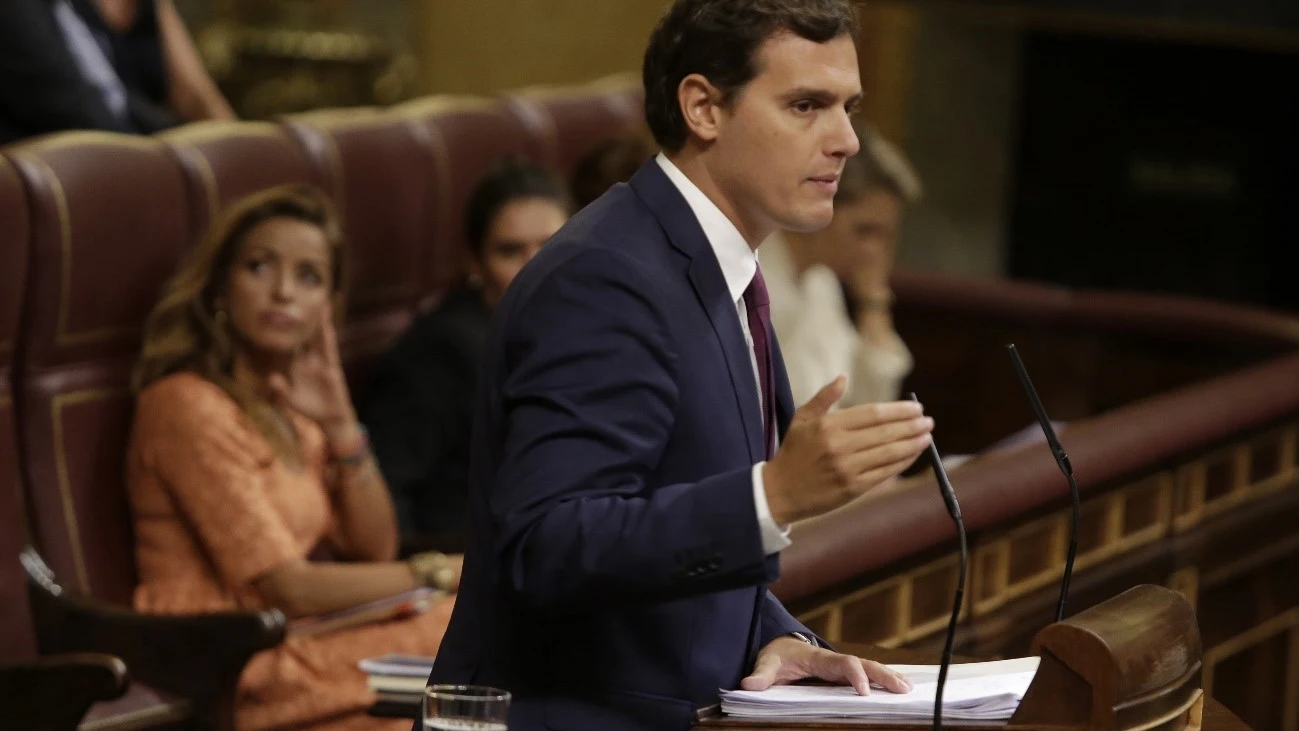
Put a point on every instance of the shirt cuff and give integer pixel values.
(774, 537)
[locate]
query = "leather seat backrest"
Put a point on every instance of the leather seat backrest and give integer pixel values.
(568, 122)
(225, 161)
(109, 220)
(17, 639)
(467, 137)
(386, 185)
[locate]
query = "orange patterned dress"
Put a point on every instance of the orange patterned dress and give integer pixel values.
(213, 509)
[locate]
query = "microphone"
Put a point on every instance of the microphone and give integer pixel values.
(954, 508)
(1065, 465)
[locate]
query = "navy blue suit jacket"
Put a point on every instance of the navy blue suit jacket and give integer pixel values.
(615, 577)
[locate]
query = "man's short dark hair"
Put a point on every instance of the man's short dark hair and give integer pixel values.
(720, 39)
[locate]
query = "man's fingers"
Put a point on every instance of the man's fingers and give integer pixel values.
(859, 440)
(891, 681)
(824, 400)
(838, 668)
(872, 478)
(863, 416)
(764, 673)
(886, 455)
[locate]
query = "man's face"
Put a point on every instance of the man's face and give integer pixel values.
(782, 143)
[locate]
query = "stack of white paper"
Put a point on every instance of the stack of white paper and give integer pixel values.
(399, 678)
(988, 691)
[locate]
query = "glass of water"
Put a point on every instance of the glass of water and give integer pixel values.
(465, 708)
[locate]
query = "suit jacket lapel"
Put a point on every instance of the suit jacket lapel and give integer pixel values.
(686, 235)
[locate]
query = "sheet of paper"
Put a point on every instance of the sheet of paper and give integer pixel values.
(408, 666)
(974, 691)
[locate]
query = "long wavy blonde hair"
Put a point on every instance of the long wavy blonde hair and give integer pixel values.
(184, 332)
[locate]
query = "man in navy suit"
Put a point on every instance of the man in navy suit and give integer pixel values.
(637, 457)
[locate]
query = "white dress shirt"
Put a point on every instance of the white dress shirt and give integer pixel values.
(818, 338)
(739, 263)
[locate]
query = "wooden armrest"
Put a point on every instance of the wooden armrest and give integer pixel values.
(54, 692)
(195, 657)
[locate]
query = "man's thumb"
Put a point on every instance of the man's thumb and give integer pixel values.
(764, 674)
(824, 400)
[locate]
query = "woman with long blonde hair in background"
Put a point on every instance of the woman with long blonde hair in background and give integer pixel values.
(246, 456)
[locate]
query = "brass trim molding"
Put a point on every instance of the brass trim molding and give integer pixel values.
(57, 404)
(205, 131)
(1187, 583)
(1285, 622)
(62, 336)
(1158, 498)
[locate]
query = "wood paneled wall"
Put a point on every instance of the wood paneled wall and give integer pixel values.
(467, 48)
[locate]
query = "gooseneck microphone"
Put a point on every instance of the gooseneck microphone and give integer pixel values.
(1066, 467)
(954, 508)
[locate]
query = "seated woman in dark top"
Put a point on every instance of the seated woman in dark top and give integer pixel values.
(419, 405)
(118, 65)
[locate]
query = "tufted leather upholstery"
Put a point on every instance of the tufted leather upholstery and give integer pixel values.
(568, 122)
(466, 137)
(16, 639)
(109, 220)
(225, 161)
(383, 181)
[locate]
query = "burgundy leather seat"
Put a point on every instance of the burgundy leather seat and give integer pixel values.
(16, 638)
(467, 137)
(384, 182)
(51, 692)
(225, 161)
(109, 222)
(568, 122)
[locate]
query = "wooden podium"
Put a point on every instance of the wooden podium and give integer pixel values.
(1131, 663)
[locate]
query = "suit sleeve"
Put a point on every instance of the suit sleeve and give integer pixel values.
(776, 621)
(589, 400)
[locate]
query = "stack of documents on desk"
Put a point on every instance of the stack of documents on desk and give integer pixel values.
(398, 678)
(985, 691)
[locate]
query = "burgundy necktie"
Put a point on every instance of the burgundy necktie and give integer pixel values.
(759, 309)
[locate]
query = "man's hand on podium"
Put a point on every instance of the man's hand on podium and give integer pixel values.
(789, 659)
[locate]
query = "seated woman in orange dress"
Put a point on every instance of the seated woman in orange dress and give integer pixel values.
(246, 456)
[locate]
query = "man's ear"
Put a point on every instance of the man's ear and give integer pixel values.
(701, 106)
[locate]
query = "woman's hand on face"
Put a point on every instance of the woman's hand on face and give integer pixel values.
(316, 387)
